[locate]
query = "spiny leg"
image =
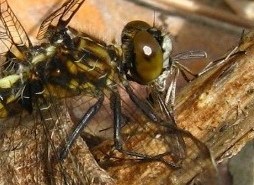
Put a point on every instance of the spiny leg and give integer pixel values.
(177, 68)
(142, 105)
(80, 126)
(180, 146)
(179, 133)
(184, 70)
(170, 95)
(149, 112)
(179, 151)
(116, 107)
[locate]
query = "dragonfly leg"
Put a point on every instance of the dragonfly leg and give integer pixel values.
(80, 126)
(142, 105)
(148, 111)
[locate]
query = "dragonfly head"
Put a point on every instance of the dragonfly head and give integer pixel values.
(146, 52)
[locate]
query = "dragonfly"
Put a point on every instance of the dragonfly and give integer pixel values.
(75, 67)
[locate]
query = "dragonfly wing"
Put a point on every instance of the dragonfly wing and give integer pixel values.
(59, 18)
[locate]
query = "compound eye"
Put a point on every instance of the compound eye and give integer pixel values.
(148, 57)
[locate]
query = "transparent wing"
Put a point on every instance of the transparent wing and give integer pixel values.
(30, 144)
(11, 30)
(60, 18)
(5, 41)
(14, 41)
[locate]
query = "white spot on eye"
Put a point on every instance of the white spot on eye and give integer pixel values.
(147, 50)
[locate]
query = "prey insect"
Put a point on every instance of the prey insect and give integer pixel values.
(69, 63)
